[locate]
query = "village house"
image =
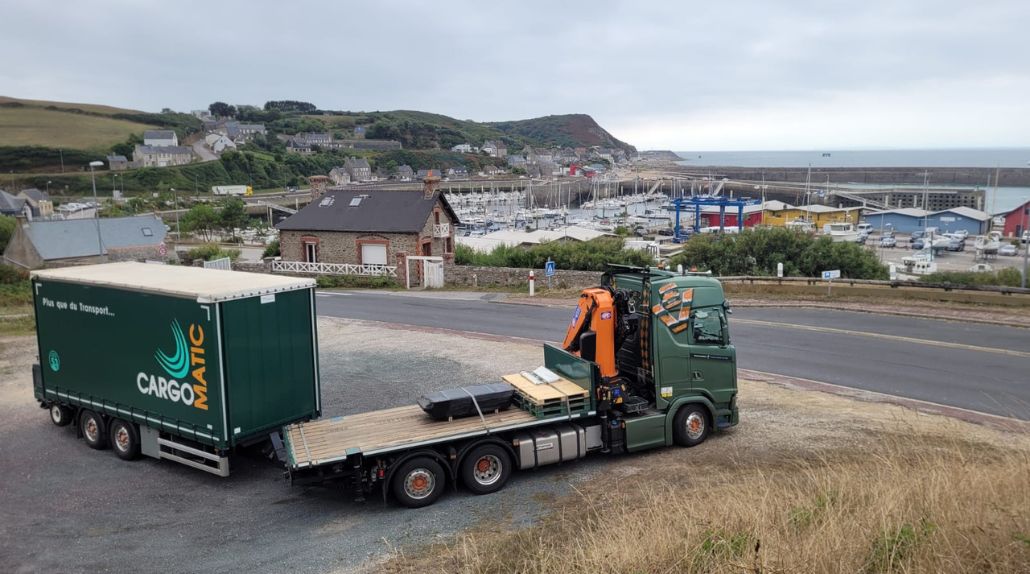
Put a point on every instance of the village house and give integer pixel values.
(495, 148)
(404, 173)
(382, 228)
(339, 175)
(358, 169)
(464, 148)
(160, 138)
(11, 206)
(37, 201)
(161, 156)
(57, 242)
(219, 143)
(117, 163)
(294, 146)
(359, 132)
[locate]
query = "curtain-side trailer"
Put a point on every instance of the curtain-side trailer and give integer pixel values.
(178, 363)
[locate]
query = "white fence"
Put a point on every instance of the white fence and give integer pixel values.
(224, 263)
(334, 268)
(441, 230)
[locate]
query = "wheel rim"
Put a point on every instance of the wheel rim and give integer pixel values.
(56, 414)
(419, 483)
(121, 438)
(488, 470)
(695, 425)
(91, 429)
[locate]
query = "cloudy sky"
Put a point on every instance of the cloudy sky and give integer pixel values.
(683, 75)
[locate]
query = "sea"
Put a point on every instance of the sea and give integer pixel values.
(1004, 199)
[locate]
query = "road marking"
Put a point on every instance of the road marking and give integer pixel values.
(332, 294)
(929, 342)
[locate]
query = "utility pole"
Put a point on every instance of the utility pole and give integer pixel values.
(96, 206)
(1026, 246)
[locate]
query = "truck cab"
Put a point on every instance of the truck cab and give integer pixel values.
(674, 376)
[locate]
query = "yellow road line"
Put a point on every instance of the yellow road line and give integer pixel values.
(929, 342)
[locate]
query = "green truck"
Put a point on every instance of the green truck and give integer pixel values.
(647, 362)
(178, 363)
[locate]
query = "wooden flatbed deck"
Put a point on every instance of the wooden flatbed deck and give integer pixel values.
(333, 439)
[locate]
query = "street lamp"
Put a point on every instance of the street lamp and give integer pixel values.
(175, 203)
(96, 205)
(48, 187)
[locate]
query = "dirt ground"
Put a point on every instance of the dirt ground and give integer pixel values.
(60, 512)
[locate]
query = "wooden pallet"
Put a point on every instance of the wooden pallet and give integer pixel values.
(562, 397)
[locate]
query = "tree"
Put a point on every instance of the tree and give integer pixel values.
(222, 110)
(201, 218)
(234, 215)
(7, 226)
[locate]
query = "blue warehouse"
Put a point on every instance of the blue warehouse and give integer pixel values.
(909, 219)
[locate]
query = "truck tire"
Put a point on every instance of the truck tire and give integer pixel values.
(60, 415)
(691, 425)
(93, 429)
(124, 439)
(486, 469)
(419, 482)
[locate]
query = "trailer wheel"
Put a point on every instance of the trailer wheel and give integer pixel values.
(60, 415)
(419, 482)
(124, 439)
(691, 425)
(94, 432)
(486, 469)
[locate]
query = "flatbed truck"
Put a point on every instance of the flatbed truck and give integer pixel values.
(647, 361)
(650, 351)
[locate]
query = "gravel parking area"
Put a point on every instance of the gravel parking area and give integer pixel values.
(66, 508)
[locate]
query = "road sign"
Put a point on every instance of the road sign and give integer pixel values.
(835, 274)
(549, 268)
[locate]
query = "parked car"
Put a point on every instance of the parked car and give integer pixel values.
(1026, 237)
(862, 237)
(956, 245)
(961, 233)
(888, 242)
(917, 235)
(864, 227)
(1008, 249)
(917, 244)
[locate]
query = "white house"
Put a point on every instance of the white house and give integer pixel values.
(160, 138)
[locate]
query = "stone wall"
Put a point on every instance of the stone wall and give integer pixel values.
(469, 276)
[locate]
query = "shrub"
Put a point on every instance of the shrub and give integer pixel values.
(1008, 277)
(272, 249)
(210, 252)
(351, 281)
(7, 226)
(591, 255)
(757, 251)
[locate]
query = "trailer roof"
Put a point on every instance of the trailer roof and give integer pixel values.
(205, 285)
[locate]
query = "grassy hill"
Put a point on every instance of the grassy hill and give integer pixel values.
(34, 134)
(570, 130)
(22, 125)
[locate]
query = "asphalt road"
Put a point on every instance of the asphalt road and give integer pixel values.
(974, 366)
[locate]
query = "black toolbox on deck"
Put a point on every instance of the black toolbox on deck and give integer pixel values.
(458, 403)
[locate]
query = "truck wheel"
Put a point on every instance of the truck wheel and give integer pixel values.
(691, 425)
(93, 429)
(124, 439)
(419, 482)
(486, 469)
(60, 415)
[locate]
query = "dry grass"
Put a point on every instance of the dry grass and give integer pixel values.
(907, 503)
(95, 108)
(25, 126)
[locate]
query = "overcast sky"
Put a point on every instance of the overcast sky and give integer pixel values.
(715, 75)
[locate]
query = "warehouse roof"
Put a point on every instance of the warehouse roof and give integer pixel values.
(205, 285)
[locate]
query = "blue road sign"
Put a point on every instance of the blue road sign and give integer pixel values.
(549, 268)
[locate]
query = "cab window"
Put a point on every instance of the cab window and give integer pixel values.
(706, 326)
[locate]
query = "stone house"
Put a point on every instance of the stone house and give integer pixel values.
(404, 173)
(162, 156)
(339, 175)
(58, 242)
(378, 228)
(159, 138)
(358, 169)
(11, 205)
(38, 202)
(495, 148)
(117, 163)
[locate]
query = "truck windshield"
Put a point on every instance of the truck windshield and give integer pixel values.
(707, 326)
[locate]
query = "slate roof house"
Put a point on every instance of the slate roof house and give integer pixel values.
(58, 243)
(162, 156)
(358, 169)
(117, 162)
(37, 201)
(404, 173)
(11, 205)
(160, 138)
(339, 175)
(378, 228)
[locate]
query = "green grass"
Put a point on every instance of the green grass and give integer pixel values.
(28, 126)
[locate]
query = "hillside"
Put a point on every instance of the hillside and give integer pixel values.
(45, 124)
(424, 130)
(571, 130)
